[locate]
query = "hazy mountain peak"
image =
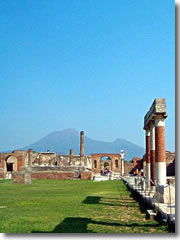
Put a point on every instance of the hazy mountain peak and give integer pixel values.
(69, 138)
(70, 131)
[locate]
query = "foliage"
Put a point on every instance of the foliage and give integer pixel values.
(106, 164)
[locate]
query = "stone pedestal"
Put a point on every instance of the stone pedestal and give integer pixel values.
(165, 194)
(23, 177)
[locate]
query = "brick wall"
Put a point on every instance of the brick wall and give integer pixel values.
(85, 175)
(18, 177)
(23, 177)
(128, 167)
(52, 175)
(1, 174)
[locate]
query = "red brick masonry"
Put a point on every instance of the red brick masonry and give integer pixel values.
(52, 175)
(160, 144)
(18, 177)
(85, 176)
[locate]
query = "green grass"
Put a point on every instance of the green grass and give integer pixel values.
(72, 207)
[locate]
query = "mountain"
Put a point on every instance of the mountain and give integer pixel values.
(63, 141)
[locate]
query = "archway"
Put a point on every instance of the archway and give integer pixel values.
(11, 165)
(113, 159)
(106, 165)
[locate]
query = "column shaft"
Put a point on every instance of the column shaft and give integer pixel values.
(160, 151)
(152, 153)
(71, 153)
(122, 167)
(82, 143)
(148, 152)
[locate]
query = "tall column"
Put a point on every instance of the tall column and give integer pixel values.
(160, 151)
(71, 153)
(152, 152)
(122, 167)
(82, 144)
(122, 162)
(29, 157)
(81, 147)
(148, 153)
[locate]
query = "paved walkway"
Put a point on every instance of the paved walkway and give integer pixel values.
(165, 209)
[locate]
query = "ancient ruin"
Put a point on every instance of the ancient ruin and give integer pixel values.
(154, 125)
(22, 165)
(50, 165)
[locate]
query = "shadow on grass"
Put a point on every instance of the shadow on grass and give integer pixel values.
(71, 225)
(110, 201)
(80, 225)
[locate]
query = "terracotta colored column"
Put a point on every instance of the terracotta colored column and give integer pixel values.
(82, 144)
(29, 157)
(71, 153)
(160, 151)
(152, 152)
(148, 154)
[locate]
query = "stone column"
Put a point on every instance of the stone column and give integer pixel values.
(122, 162)
(81, 146)
(160, 151)
(152, 152)
(29, 157)
(148, 154)
(71, 153)
(122, 167)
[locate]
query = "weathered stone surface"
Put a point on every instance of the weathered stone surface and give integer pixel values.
(165, 194)
(1, 174)
(157, 107)
(52, 175)
(86, 176)
(150, 214)
(128, 166)
(23, 177)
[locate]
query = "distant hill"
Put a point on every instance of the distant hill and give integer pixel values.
(63, 141)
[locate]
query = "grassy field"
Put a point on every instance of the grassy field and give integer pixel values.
(72, 207)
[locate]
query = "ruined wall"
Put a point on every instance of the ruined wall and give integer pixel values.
(86, 176)
(128, 166)
(52, 175)
(96, 162)
(170, 163)
(20, 159)
(22, 177)
(139, 164)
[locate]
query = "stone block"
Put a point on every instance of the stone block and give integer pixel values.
(21, 177)
(165, 194)
(52, 175)
(150, 214)
(85, 175)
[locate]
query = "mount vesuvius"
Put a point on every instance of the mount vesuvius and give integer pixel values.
(62, 141)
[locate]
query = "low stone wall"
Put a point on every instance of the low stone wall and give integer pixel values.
(2, 175)
(21, 177)
(52, 175)
(86, 176)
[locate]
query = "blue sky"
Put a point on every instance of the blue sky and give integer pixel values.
(93, 65)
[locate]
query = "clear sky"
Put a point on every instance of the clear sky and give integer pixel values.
(93, 65)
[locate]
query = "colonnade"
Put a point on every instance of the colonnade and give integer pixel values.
(154, 126)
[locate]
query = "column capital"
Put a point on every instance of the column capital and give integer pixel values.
(160, 122)
(148, 132)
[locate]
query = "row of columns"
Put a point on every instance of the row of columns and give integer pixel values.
(155, 152)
